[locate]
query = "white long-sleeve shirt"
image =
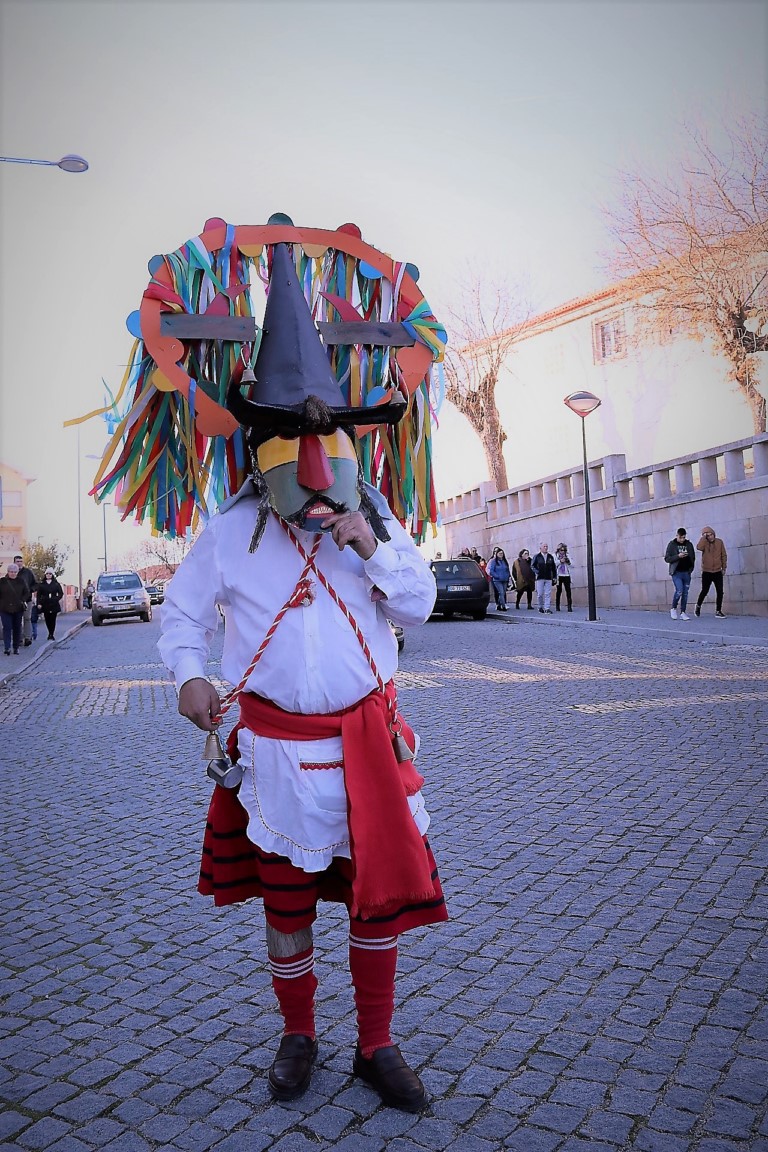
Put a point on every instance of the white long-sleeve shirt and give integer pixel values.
(314, 662)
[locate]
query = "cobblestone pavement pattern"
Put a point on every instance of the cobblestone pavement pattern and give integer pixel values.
(598, 805)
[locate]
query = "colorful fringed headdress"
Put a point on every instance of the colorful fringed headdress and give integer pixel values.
(179, 451)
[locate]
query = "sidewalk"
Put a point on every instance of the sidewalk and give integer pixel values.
(67, 624)
(707, 629)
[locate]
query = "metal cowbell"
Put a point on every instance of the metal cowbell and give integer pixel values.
(213, 749)
(401, 749)
(220, 768)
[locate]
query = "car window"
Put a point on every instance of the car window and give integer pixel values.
(118, 581)
(465, 568)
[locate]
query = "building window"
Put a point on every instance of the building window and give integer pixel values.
(609, 339)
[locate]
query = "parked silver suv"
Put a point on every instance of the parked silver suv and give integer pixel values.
(120, 594)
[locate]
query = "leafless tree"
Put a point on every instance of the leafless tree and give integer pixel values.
(696, 245)
(481, 332)
(158, 552)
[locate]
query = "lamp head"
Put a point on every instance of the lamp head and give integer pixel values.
(582, 403)
(72, 163)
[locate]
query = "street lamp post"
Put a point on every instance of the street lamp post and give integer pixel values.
(582, 403)
(79, 598)
(93, 456)
(68, 163)
(104, 524)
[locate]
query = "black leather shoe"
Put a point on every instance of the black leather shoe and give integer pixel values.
(291, 1069)
(396, 1083)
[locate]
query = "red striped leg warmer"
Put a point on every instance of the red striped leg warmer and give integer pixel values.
(294, 982)
(372, 963)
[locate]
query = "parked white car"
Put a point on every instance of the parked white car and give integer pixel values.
(120, 594)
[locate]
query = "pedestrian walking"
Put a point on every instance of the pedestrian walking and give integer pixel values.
(714, 561)
(27, 577)
(330, 806)
(498, 570)
(524, 578)
(34, 618)
(490, 581)
(681, 559)
(563, 565)
(13, 598)
(545, 571)
(49, 596)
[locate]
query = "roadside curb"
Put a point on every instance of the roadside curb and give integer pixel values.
(688, 636)
(46, 648)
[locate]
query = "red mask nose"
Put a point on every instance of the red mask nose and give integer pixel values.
(314, 469)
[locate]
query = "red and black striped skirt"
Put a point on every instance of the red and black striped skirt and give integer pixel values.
(234, 869)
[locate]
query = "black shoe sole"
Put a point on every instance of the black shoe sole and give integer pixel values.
(289, 1093)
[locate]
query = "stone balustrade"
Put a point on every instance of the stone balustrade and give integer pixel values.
(729, 464)
(634, 514)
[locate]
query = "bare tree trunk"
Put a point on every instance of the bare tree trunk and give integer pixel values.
(493, 437)
(480, 409)
(743, 377)
(753, 396)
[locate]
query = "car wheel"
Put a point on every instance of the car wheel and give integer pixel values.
(96, 620)
(479, 615)
(146, 616)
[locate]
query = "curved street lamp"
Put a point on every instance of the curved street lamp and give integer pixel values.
(68, 163)
(582, 403)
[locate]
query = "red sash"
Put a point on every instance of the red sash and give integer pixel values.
(389, 859)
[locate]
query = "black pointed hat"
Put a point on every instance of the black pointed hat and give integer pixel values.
(294, 386)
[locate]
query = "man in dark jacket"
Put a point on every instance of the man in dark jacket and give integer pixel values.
(12, 601)
(545, 571)
(681, 559)
(27, 577)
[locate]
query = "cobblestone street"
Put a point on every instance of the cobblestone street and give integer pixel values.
(598, 803)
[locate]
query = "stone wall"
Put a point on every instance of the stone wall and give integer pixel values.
(634, 515)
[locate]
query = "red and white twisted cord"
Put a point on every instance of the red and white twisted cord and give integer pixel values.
(310, 562)
(295, 598)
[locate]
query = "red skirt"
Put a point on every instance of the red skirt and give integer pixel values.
(234, 869)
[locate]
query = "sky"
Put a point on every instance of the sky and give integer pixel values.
(460, 135)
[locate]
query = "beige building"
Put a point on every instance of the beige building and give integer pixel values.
(13, 512)
(663, 396)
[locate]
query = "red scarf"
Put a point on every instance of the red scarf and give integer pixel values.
(389, 860)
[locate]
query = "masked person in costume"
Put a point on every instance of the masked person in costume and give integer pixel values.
(309, 566)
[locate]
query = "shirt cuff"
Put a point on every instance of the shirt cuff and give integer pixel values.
(381, 567)
(188, 668)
